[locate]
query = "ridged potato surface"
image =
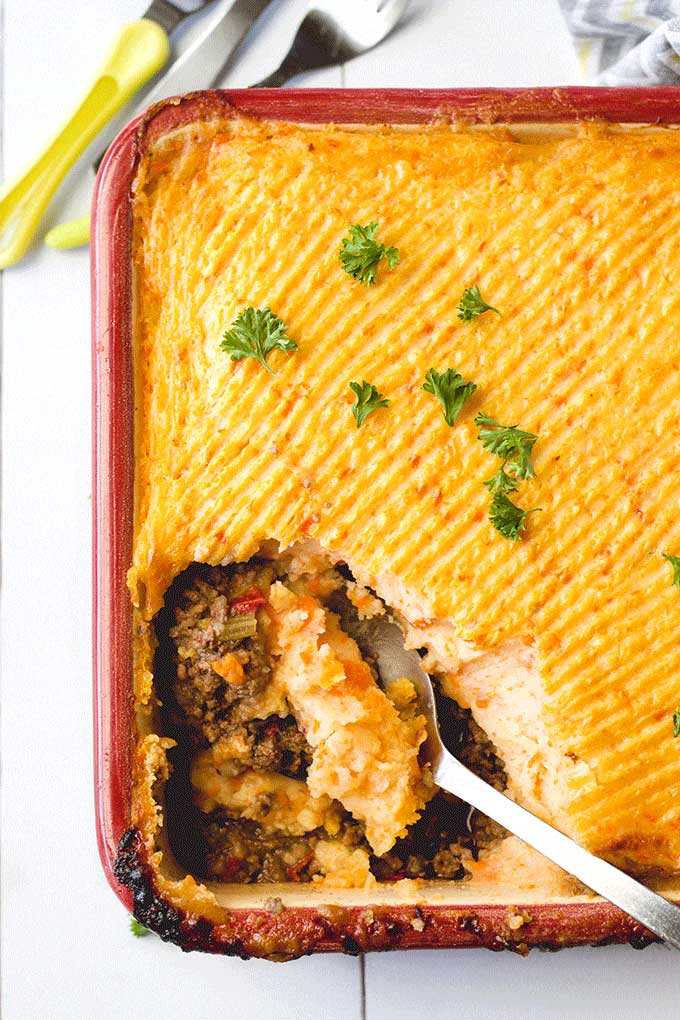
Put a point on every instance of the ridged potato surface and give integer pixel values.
(574, 240)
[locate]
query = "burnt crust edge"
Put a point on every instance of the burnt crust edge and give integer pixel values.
(287, 933)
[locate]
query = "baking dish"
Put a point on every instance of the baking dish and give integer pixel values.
(253, 926)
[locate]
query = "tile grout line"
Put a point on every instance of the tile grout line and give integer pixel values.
(362, 978)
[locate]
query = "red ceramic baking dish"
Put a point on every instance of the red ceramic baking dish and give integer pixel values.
(254, 928)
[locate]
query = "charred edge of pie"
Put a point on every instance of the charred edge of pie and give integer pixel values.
(289, 933)
(171, 925)
(215, 846)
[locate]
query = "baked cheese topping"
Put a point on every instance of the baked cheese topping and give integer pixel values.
(574, 240)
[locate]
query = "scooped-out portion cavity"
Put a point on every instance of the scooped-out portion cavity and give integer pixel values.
(290, 760)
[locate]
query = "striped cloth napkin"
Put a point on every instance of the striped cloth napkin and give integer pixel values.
(626, 42)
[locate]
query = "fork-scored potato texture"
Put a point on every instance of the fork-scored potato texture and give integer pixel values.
(575, 240)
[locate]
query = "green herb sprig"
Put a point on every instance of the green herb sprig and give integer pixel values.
(137, 929)
(675, 563)
(451, 390)
(361, 253)
(255, 333)
(511, 444)
(502, 481)
(473, 304)
(368, 399)
(509, 520)
(514, 447)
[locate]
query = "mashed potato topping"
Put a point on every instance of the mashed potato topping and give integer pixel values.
(564, 645)
(276, 801)
(364, 753)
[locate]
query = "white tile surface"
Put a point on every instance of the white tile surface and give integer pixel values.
(66, 951)
(608, 983)
(449, 43)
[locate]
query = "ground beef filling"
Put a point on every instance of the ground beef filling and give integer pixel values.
(238, 850)
(210, 706)
(211, 617)
(279, 746)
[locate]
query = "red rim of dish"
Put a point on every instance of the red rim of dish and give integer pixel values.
(551, 925)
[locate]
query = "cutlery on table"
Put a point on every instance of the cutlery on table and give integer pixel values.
(384, 641)
(139, 52)
(334, 31)
(331, 32)
(198, 67)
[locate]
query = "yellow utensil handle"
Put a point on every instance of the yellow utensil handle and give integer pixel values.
(141, 49)
(72, 234)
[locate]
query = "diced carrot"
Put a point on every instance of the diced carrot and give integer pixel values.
(230, 669)
(357, 674)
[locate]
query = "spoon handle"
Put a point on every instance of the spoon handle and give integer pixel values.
(658, 914)
(139, 52)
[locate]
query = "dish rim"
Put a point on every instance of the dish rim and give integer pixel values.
(307, 929)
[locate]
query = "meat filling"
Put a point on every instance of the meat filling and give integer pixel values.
(242, 757)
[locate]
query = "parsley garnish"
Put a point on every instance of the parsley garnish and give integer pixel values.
(501, 481)
(368, 399)
(676, 723)
(451, 390)
(137, 929)
(255, 333)
(360, 253)
(508, 519)
(473, 304)
(509, 443)
(675, 563)
(514, 448)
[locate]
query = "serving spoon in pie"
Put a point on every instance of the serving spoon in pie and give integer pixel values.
(384, 640)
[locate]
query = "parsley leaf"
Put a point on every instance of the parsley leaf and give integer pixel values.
(451, 390)
(137, 929)
(368, 399)
(676, 723)
(360, 253)
(508, 519)
(508, 442)
(501, 481)
(473, 304)
(675, 563)
(255, 333)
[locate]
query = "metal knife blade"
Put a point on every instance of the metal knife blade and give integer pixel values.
(200, 65)
(169, 13)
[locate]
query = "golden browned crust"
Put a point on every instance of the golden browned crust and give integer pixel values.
(574, 240)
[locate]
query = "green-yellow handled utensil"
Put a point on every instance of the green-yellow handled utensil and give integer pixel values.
(199, 66)
(141, 49)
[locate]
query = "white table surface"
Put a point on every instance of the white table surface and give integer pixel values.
(66, 949)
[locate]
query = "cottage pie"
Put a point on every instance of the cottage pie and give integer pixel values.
(267, 520)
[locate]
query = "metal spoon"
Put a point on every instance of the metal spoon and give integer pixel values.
(384, 641)
(334, 31)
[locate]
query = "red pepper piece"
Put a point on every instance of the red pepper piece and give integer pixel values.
(295, 870)
(249, 602)
(231, 868)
